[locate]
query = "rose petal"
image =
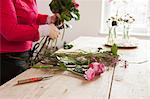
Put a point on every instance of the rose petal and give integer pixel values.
(89, 74)
(97, 67)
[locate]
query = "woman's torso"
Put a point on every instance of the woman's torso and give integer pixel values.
(26, 12)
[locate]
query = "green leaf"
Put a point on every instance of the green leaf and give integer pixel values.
(66, 16)
(67, 46)
(79, 69)
(76, 15)
(66, 10)
(68, 3)
(114, 49)
(63, 66)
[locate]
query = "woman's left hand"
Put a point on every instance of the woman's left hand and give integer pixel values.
(53, 32)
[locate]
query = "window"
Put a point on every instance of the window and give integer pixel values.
(139, 9)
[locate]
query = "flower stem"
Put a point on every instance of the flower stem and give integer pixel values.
(75, 72)
(69, 70)
(115, 35)
(63, 32)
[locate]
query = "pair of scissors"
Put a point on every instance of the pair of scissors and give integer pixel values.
(38, 48)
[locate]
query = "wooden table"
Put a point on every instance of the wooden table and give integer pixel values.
(117, 83)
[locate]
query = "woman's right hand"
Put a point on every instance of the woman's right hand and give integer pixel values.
(53, 19)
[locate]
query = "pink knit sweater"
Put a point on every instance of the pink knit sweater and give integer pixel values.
(19, 21)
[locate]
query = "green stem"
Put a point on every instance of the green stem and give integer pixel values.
(124, 32)
(40, 66)
(109, 33)
(69, 71)
(75, 72)
(110, 37)
(115, 32)
(127, 31)
(63, 31)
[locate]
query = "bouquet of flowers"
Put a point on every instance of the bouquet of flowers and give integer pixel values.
(67, 9)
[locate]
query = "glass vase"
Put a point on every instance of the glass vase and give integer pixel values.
(112, 35)
(126, 32)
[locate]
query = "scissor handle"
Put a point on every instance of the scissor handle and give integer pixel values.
(36, 46)
(30, 80)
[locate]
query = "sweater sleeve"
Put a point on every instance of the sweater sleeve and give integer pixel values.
(10, 29)
(41, 19)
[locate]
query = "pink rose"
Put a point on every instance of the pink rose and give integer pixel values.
(102, 68)
(98, 67)
(89, 74)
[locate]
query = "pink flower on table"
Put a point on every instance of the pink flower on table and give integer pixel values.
(102, 66)
(98, 67)
(89, 74)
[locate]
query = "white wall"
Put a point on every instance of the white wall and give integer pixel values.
(88, 25)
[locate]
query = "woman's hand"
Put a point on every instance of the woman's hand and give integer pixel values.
(53, 31)
(52, 19)
(49, 30)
